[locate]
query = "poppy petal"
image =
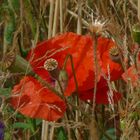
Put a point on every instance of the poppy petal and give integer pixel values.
(30, 98)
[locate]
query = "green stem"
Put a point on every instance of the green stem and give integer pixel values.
(21, 65)
(96, 72)
(35, 135)
(72, 66)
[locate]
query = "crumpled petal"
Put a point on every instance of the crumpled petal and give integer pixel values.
(30, 98)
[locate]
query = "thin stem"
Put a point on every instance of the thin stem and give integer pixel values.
(72, 66)
(61, 89)
(76, 83)
(65, 116)
(96, 71)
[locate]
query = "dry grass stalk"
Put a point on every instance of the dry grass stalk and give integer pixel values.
(56, 19)
(139, 10)
(45, 125)
(50, 18)
(79, 23)
(94, 132)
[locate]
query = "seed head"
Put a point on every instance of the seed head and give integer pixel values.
(114, 54)
(114, 51)
(50, 64)
(97, 27)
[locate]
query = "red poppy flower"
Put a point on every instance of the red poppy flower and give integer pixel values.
(30, 98)
(131, 75)
(81, 49)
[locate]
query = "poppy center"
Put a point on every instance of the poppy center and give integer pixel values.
(114, 51)
(50, 64)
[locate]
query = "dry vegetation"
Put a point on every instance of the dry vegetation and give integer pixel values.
(23, 23)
